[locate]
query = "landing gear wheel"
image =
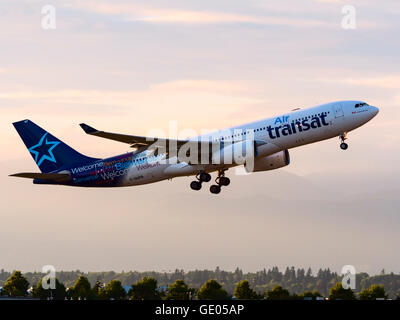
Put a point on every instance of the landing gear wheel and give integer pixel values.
(215, 189)
(195, 185)
(224, 181)
(204, 177)
(342, 137)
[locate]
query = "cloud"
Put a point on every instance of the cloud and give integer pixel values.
(204, 85)
(397, 99)
(135, 12)
(198, 17)
(161, 15)
(127, 97)
(387, 82)
(175, 100)
(310, 14)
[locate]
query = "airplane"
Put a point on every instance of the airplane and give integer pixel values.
(260, 146)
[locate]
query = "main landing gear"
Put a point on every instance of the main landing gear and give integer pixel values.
(220, 181)
(201, 177)
(343, 137)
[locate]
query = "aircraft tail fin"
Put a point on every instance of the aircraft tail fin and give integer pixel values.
(49, 153)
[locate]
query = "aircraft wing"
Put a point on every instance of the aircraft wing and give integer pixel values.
(159, 144)
(134, 141)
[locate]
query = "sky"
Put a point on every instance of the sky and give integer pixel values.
(135, 66)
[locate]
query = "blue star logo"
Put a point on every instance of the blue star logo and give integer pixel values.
(42, 151)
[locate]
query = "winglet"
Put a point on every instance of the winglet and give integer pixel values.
(88, 129)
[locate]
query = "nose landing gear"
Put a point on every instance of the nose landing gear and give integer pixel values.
(343, 137)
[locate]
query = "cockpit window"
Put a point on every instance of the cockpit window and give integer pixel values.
(362, 104)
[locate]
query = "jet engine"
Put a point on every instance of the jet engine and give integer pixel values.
(234, 153)
(271, 162)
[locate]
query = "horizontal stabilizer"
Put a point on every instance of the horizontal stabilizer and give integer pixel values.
(59, 177)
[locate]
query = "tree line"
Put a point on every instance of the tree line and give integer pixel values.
(148, 289)
(297, 281)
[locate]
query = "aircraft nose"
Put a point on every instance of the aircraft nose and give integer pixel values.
(374, 110)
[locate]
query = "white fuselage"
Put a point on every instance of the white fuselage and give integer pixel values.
(282, 132)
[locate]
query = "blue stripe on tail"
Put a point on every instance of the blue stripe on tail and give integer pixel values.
(49, 153)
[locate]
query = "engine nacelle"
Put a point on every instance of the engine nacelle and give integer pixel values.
(271, 162)
(234, 153)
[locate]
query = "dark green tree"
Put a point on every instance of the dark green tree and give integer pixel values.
(277, 293)
(81, 289)
(115, 291)
(99, 291)
(339, 293)
(145, 289)
(374, 292)
(212, 290)
(309, 294)
(243, 291)
(59, 293)
(179, 290)
(16, 285)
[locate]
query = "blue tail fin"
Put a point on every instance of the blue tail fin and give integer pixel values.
(49, 153)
